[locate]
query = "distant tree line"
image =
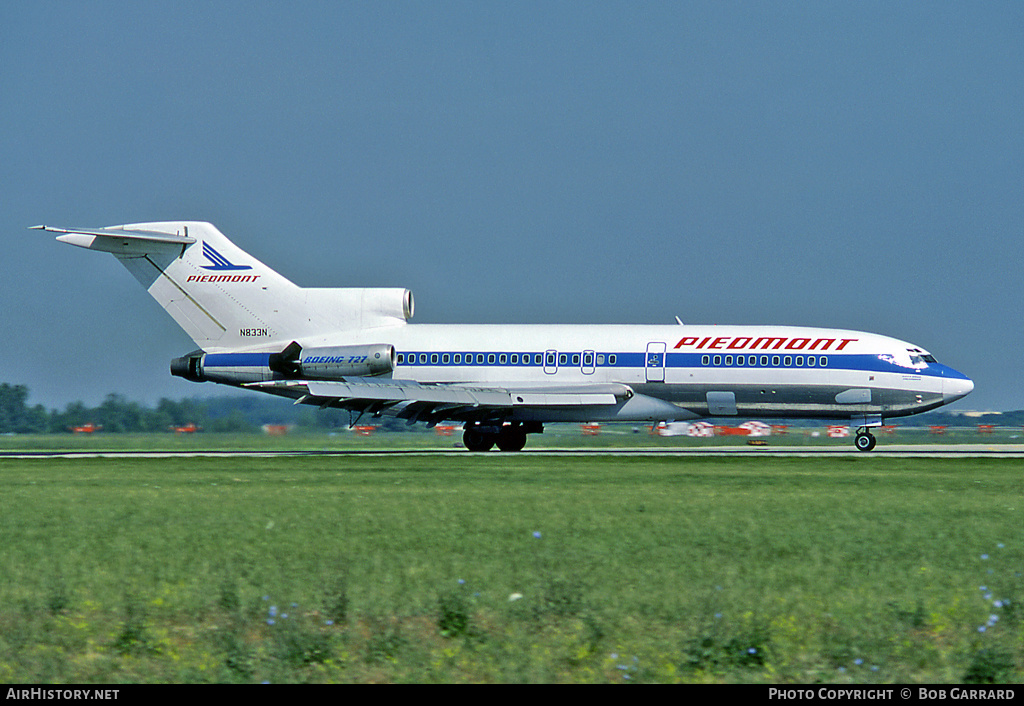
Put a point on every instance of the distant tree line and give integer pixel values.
(249, 413)
(119, 415)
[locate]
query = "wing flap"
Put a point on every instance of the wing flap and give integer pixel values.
(407, 392)
(562, 399)
(449, 394)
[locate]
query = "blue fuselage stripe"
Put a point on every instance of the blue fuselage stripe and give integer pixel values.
(775, 360)
(861, 362)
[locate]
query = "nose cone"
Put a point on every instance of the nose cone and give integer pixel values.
(955, 385)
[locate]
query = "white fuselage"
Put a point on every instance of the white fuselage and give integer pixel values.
(701, 370)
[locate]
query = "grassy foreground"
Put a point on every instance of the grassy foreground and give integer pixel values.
(511, 569)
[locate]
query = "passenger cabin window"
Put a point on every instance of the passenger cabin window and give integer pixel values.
(400, 359)
(423, 358)
(458, 359)
(479, 358)
(433, 358)
(611, 359)
(563, 359)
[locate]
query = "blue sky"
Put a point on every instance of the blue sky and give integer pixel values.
(858, 165)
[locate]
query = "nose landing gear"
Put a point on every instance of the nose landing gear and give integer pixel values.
(864, 441)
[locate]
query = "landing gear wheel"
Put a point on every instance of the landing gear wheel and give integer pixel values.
(511, 438)
(476, 440)
(864, 441)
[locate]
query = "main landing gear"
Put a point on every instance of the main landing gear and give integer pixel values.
(864, 441)
(507, 437)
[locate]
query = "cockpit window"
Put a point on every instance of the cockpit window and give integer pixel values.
(919, 359)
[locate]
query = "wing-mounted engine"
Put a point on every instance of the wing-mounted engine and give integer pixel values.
(294, 362)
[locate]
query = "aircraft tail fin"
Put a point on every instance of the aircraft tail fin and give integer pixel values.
(223, 297)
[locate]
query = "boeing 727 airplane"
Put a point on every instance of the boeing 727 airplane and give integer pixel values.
(353, 349)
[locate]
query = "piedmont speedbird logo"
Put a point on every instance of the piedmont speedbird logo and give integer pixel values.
(219, 261)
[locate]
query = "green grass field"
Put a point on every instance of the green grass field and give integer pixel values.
(507, 568)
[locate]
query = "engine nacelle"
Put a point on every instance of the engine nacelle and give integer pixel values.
(339, 362)
(189, 367)
(226, 368)
(294, 362)
(351, 309)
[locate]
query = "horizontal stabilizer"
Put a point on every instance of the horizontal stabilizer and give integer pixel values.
(116, 233)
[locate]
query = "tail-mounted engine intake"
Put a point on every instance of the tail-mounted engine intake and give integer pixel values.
(294, 362)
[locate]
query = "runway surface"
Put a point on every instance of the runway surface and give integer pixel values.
(893, 451)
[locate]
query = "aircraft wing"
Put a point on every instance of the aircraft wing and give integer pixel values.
(432, 403)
